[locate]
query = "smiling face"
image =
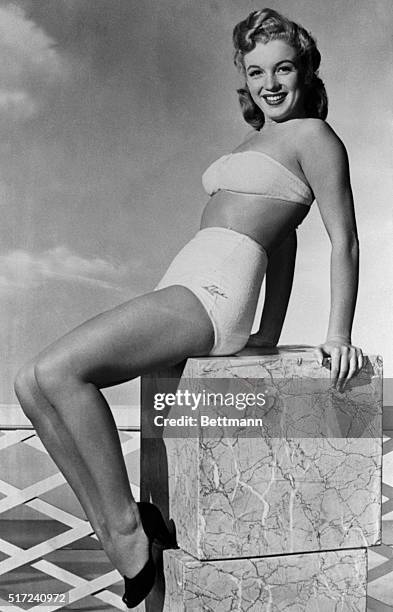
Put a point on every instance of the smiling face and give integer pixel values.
(275, 81)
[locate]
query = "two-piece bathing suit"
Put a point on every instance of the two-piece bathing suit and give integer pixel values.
(225, 268)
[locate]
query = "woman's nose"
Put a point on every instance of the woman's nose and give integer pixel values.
(271, 82)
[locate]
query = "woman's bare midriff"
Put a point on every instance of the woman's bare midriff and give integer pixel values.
(268, 221)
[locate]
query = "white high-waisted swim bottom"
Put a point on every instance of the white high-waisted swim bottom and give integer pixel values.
(225, 270)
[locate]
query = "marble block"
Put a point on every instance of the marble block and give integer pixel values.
(307, 479)
(325, 581)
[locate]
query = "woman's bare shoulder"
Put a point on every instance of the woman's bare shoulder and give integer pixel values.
(316, 131)
(317, 137)
(323, 159)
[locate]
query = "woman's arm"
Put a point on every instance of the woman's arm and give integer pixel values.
(279, 277)
(324, 162)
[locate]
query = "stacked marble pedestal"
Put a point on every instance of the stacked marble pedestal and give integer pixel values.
(275, 510)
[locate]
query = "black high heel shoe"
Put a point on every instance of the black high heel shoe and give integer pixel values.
(137, 588)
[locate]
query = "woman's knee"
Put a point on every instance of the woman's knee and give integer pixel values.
(38, 379)
(25, 380)
(52, 373)
(26, 388)
(38, 383)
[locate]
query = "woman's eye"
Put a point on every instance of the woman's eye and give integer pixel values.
(255, 73)
(285, 69)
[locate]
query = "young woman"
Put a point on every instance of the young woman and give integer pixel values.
(206, 302)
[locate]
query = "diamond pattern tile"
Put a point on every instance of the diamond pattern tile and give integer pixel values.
(380, 558)
(387, 490)
(46, 543)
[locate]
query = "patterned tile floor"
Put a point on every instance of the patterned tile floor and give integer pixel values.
(380, 558)
(46, 545)
(61, 555)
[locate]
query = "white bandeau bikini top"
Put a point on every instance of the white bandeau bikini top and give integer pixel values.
(256, 173)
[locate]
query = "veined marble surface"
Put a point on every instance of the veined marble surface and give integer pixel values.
(273, 493)
(327, 582)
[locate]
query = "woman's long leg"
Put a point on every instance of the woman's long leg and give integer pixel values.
(157, 329)
(58, 442)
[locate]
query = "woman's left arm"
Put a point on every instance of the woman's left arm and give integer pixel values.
(324, 161)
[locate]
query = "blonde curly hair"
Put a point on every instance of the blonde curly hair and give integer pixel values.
(264, 26)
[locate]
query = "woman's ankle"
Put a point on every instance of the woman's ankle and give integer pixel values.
(128, 552)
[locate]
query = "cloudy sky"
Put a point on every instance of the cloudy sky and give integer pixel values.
(110, 110)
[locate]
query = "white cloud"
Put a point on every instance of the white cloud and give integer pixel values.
(21, 270)
(27, 45)
(18, 104)
(29, 62)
